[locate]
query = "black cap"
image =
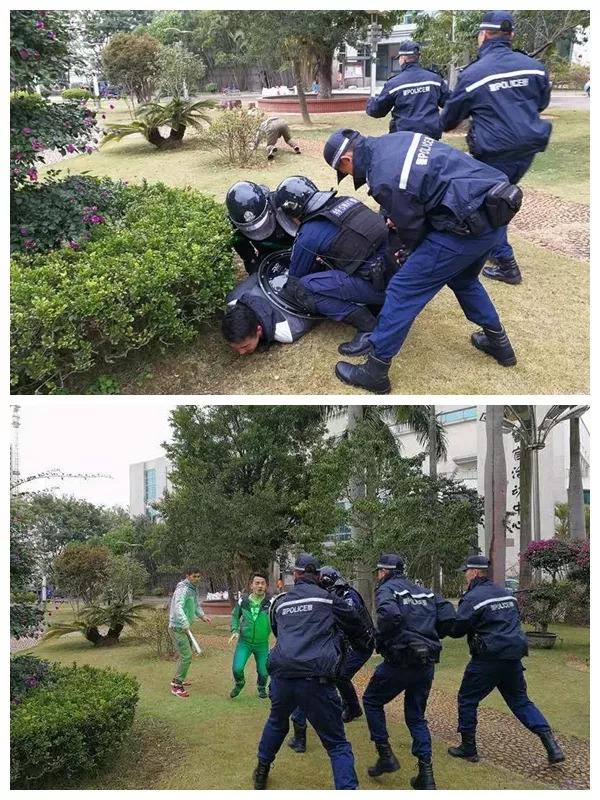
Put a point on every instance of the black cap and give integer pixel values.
(336, 146)
(498, 22)
(391, 561)
(304, 561)
(408, 48)
(475, 562)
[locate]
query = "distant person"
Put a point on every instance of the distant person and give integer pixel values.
(185, 608)
(413, 96)
(274, 129)
(315, 86)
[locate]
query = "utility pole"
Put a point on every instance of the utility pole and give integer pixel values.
(15, 470)
(375, 32)
(453, 71)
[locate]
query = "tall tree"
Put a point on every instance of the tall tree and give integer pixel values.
(239, 473)
(575, 490)
(131, 60)
(495, 492)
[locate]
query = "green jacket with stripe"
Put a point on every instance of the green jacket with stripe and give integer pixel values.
(251, 631)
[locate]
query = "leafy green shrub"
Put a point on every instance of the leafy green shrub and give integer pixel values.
(113, 616)
(211, 87)
(158, 592)
(62, 211)
(70, 727)
(23, 597)
(233, 132)
(75, 94)
(153, 630)
(154, 276)
(26, 673)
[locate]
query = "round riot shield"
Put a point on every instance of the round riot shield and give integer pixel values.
(272, 276)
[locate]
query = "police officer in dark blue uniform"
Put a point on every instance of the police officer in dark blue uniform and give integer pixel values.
(259, 229)
(354, 242)
(489, 616)
(413, 96)
(448, 209)
(503, 91)
(331, 579)
(309, 624)
(411, 620)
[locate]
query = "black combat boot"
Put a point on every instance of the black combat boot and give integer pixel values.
(467, 749)
(503, 269)
(298, 740)
(495, 344)
(555, 754)
(364, 322)
(387, 761)
(260, 775)
(425, 779)
(351, 713)
(372, 375)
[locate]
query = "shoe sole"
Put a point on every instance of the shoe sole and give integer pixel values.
(511, 281)
(180, 696)
(471, 759)
(359, 386)
(510, 363)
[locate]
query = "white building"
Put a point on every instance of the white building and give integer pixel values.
(148, 481)
(355, 62)
(580, 52)
(466, 459)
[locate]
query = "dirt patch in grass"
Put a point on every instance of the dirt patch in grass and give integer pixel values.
(555, 224)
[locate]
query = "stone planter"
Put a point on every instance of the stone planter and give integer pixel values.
(337, 103)
(216, 608)
(541, 641)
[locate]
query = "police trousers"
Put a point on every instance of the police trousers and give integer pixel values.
(388, 681)
(482, 677)
(514, 171)
(338, 294)
(353, 661)
(442, 259)
(321, 704)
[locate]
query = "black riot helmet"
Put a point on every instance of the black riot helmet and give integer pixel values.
(249, 209)
(328, 576)
(298, 196)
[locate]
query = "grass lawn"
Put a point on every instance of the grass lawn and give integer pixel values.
(546, 317)
(209, 741)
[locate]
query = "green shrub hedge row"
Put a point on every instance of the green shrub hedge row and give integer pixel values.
(71, 726)
(152, 276)
(75, 94)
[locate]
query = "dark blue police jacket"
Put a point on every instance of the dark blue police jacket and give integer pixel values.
(413, 96)
(490, 617)
(503, 91)
(414, 178)
(410, 614)
(309, 623)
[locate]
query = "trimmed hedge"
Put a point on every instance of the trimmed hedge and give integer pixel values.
(70, 727)
(26, 674)
(75, 94)
(153, 276)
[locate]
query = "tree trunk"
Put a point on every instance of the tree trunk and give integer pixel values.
(297, 70)
(356, 490)
(93, 635)
(155, 138)
(495, 493)
(324, 61)
(112, 636)
(435, 562)
(524, 513)
(177, 134)
(575, 491)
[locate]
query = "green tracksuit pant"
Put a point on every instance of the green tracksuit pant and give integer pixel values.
(243, 651)
(183, 646)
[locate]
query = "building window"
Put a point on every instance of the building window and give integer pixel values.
(408, 20)
(341, 534)
(149, 485)
(458, 416)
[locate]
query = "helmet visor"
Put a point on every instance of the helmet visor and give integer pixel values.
(287, 223)
(259, 228)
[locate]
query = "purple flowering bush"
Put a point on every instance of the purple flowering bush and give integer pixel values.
(553, 556)
(153, 275)
(26, 673)
(63, 212)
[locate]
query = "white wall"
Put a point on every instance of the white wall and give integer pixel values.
(137, 505)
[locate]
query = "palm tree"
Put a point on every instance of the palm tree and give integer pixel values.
(114, 616)
(179, 114)
(495, 493)
(381, 419)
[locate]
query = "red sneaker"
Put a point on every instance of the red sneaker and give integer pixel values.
(175, 682)
(179, 691)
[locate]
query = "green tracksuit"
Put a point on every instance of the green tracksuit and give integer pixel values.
(250, 618)
(185, 608)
